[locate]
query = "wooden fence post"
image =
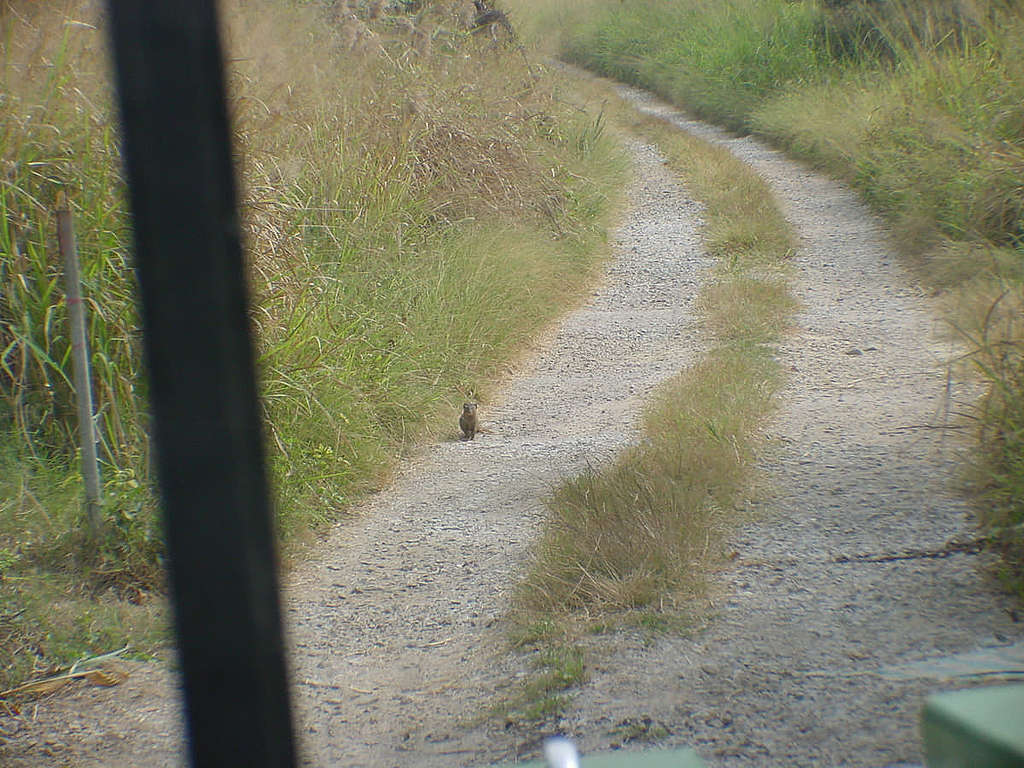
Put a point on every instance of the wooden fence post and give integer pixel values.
(80, 364)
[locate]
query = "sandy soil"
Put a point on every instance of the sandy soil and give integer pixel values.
(815, 652)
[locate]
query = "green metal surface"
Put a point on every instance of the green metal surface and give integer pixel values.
(659, 758)
(978, 728)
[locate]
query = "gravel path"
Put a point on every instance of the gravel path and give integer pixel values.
(396, 631)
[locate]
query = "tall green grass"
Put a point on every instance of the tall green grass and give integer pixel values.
(935, 139)
(918, 105)
(56, 133)
(417, 202)
(427, 240)
(720, 59)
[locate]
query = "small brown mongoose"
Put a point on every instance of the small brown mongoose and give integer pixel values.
(467, 421)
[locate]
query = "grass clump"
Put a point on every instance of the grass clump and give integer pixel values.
(543, 696)
(417, 202)
(559, 668)
(59, 603)
(718, 58)
(640, 533)
(629, 544)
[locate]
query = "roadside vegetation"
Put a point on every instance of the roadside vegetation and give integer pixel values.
(918, 105)
(418, 201)
(630, 543)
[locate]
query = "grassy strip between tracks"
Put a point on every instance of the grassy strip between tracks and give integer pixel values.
(629, 543)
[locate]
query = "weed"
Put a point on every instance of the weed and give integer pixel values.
(534, 633)
(542, 696)
(997, 352)
(639, 729)
(562, 667)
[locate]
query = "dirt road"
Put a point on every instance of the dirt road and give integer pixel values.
(808, 659)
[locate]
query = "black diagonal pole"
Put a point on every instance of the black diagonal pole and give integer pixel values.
(202, 386)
